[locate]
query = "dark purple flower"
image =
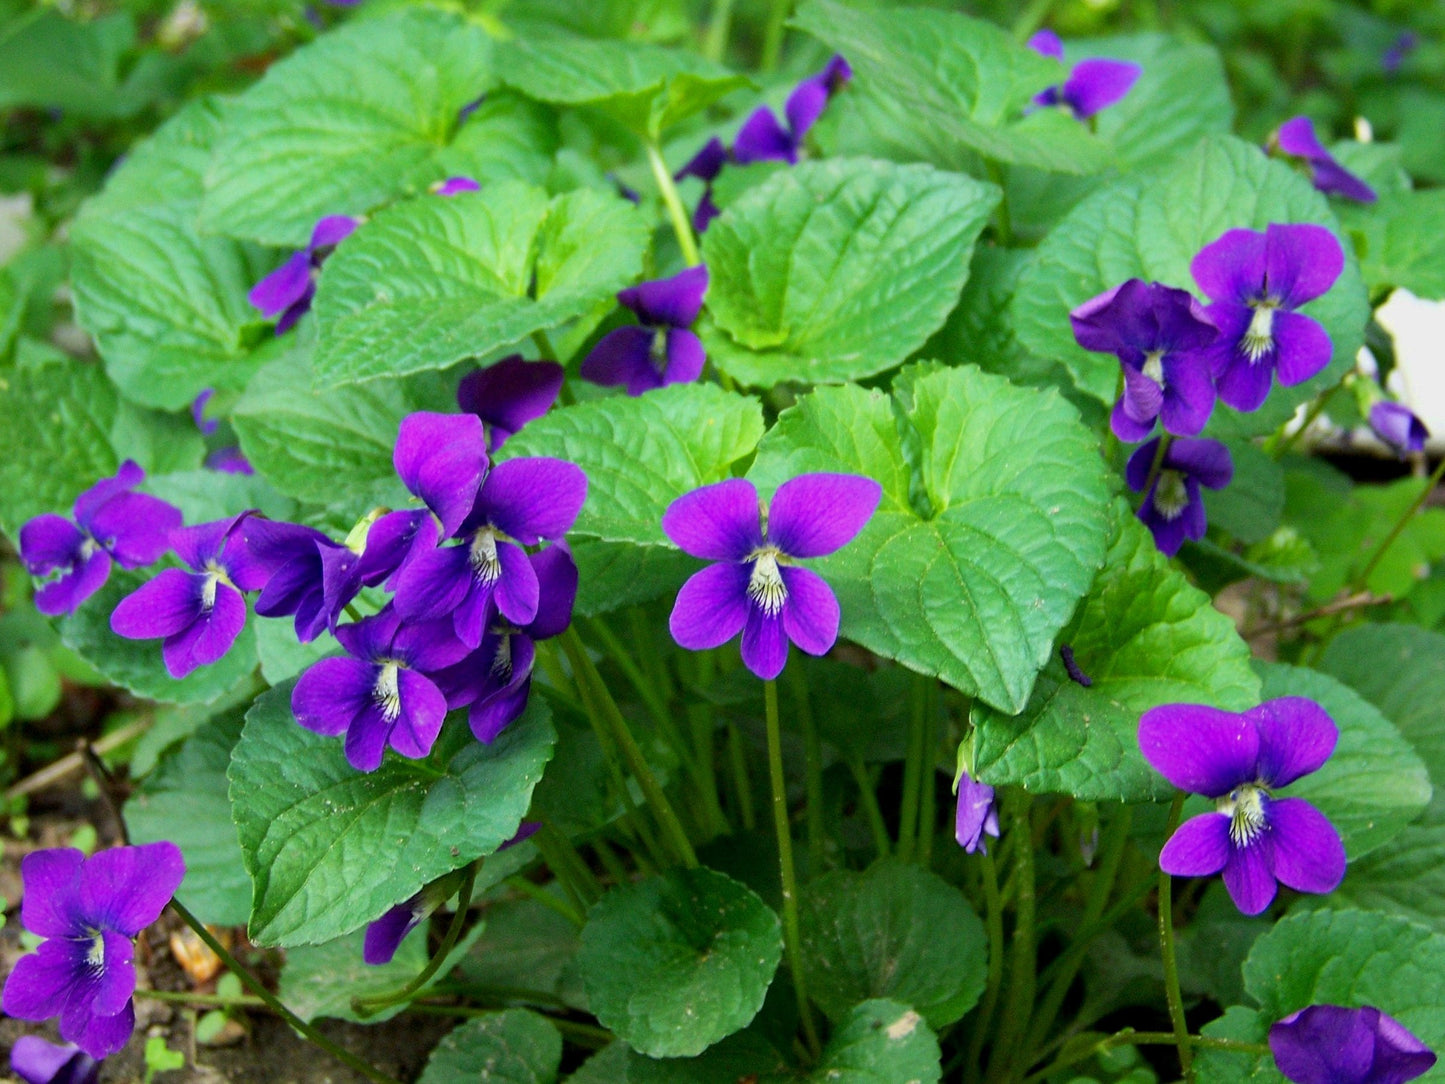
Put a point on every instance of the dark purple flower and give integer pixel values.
(1397, 426)
(36, 1061)
(494, 681)
(1407, 42)
(111, 523)
(453, 185)
(1173, 509)
(1092, 85)
(1296, 138)
(388, 542)
(379, 694)
(288, 290)
(1255, 282)
(385, 935)
(199, 613)
(626, 191)
(441, 458)
(206, 425)
(523, 502)
(705, 165)
(229, 460)
(89, 910)
(1331, 1044)
(755, 588)
(763, 138)
(508, 394)
(662, 350)
(307, 574)
(977, 815)
(1159, 335)
(1240, 760)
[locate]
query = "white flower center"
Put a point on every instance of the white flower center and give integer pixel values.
(1154, 366)
(387, 693)
(1170, 496)
(1244, 806)
(95, 955)
(483, 556)
(214, 574)
(1259, 336)
(658, 353)
(502, 660)
(765, 585)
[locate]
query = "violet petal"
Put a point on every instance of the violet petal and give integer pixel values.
(1251, 885)
(669, 302)
(1304, 849)
(814, 515)
(1198, 748)
(765, 644)
(810, 613)
(717, 522)
(711, 608)
(1198, 848)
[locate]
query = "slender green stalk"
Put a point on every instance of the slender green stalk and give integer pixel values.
(993, 922)
(812, 767)
(1003, 229)
(738, 761)
(868, 799)
(368, 1006)
(585, 1034)
(1023, 970)
(676, 212)
(545, 350)
(566, 909)
(1166, 948)
(1031, 18)
(715, 45)
(1146, 1038)
(785, 862)
(204, 1001)
(927, 776)
(608, 857)
(1281, 444)
(1401, 524)
(601, 700)
(778, 11)
(1111, 855)
(272, 1002)
(912, 769)
(569, 867)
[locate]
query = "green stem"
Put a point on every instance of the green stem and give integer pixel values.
(1158, 465)
(545, 350)
(912, 770)
(812, 767)
(1145, 1038)
(1166, 948)
(368, 1006)
(715, 45)
(928, 770)
(738, 761)
(1023, 975)
(1404, 521)
(675, 210)
(589, 1033)
(1281, 446)
(250, 982)
(1111, 855)
(539, 893)
(1004, 232)
(569, 867)
(601, 699)
(785, 863)
(993, 921)
(868, 799)
(1031, 18)
(608, 857)
(204, 1001)
(773, 34)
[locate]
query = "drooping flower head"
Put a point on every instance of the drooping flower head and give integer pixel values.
(111, 524)
(662, 350)
(705, 165)
(508, 394)
(1159, 335)
(1397, 425)
(307, 574)
(755, 587)
(1331, 1044)
(288, 290)
(379, 693)
(454, 185)
(229, 460)
(1092, 85)
(1255, 282)
(207, 426)
(89, 910)
(200, 613)
(441, 458)
(1173, 509)
(36, 1061)
(763, 138)
(977, 815)
(523, 502)
(1240, 760)
(1296, 139)
(494, 681)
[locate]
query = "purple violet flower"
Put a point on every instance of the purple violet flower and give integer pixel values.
(441, 458)
(508, 394)
(1405, 44)
(199, 613)
(763, 138)
(454, 185)
(1331, 1044)
(379, 693)
(36, 1061)
(1296, 139)
(977, 815)
(385, 935)
(755, 588)
(207, 426)
(494, 681)
(1397, 425)
(1092, 85)
(89, 910)
(523, 502)
(1255, 282)
(307, 574)
(111, 524)
(662, 350)
(1240, 760)
(229, 460)
(705, 165)
(288, 290)
(1159, 334)
(1173, 509)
